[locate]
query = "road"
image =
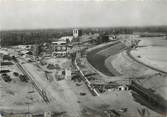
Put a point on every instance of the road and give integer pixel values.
(38, 89)
(91, 89)
(58, 92)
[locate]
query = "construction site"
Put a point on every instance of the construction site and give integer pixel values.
(75, 76)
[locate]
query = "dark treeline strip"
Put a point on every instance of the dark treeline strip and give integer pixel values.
(17, 37)
(127, 30)
(27, 37)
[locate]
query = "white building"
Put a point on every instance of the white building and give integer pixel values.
(64, 38)
(75, 33)
(60, 42)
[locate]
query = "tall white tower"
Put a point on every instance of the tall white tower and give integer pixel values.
(75, 33)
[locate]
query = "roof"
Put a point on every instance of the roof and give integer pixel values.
(66, 37)
(59, 42)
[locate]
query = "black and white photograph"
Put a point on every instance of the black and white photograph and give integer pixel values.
(83, 58)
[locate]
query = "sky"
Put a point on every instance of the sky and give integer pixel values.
(38, 14)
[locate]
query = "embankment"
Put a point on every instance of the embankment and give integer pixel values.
(97, 56)
(126, 66)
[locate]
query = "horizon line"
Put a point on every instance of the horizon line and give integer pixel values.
(81, 27)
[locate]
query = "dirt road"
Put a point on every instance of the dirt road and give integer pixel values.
(58, 92)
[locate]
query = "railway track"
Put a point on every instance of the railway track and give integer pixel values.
(88, 84)
(30, 77)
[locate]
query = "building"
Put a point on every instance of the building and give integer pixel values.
(112, 37)
(59, 48)
(67, 73)
(66, 38)
(76, 33)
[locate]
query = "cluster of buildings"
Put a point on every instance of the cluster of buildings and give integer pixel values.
(59, 48)
(62, 46)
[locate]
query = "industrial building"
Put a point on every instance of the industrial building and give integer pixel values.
(59, 48)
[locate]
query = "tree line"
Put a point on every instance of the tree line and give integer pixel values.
(8, 38)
